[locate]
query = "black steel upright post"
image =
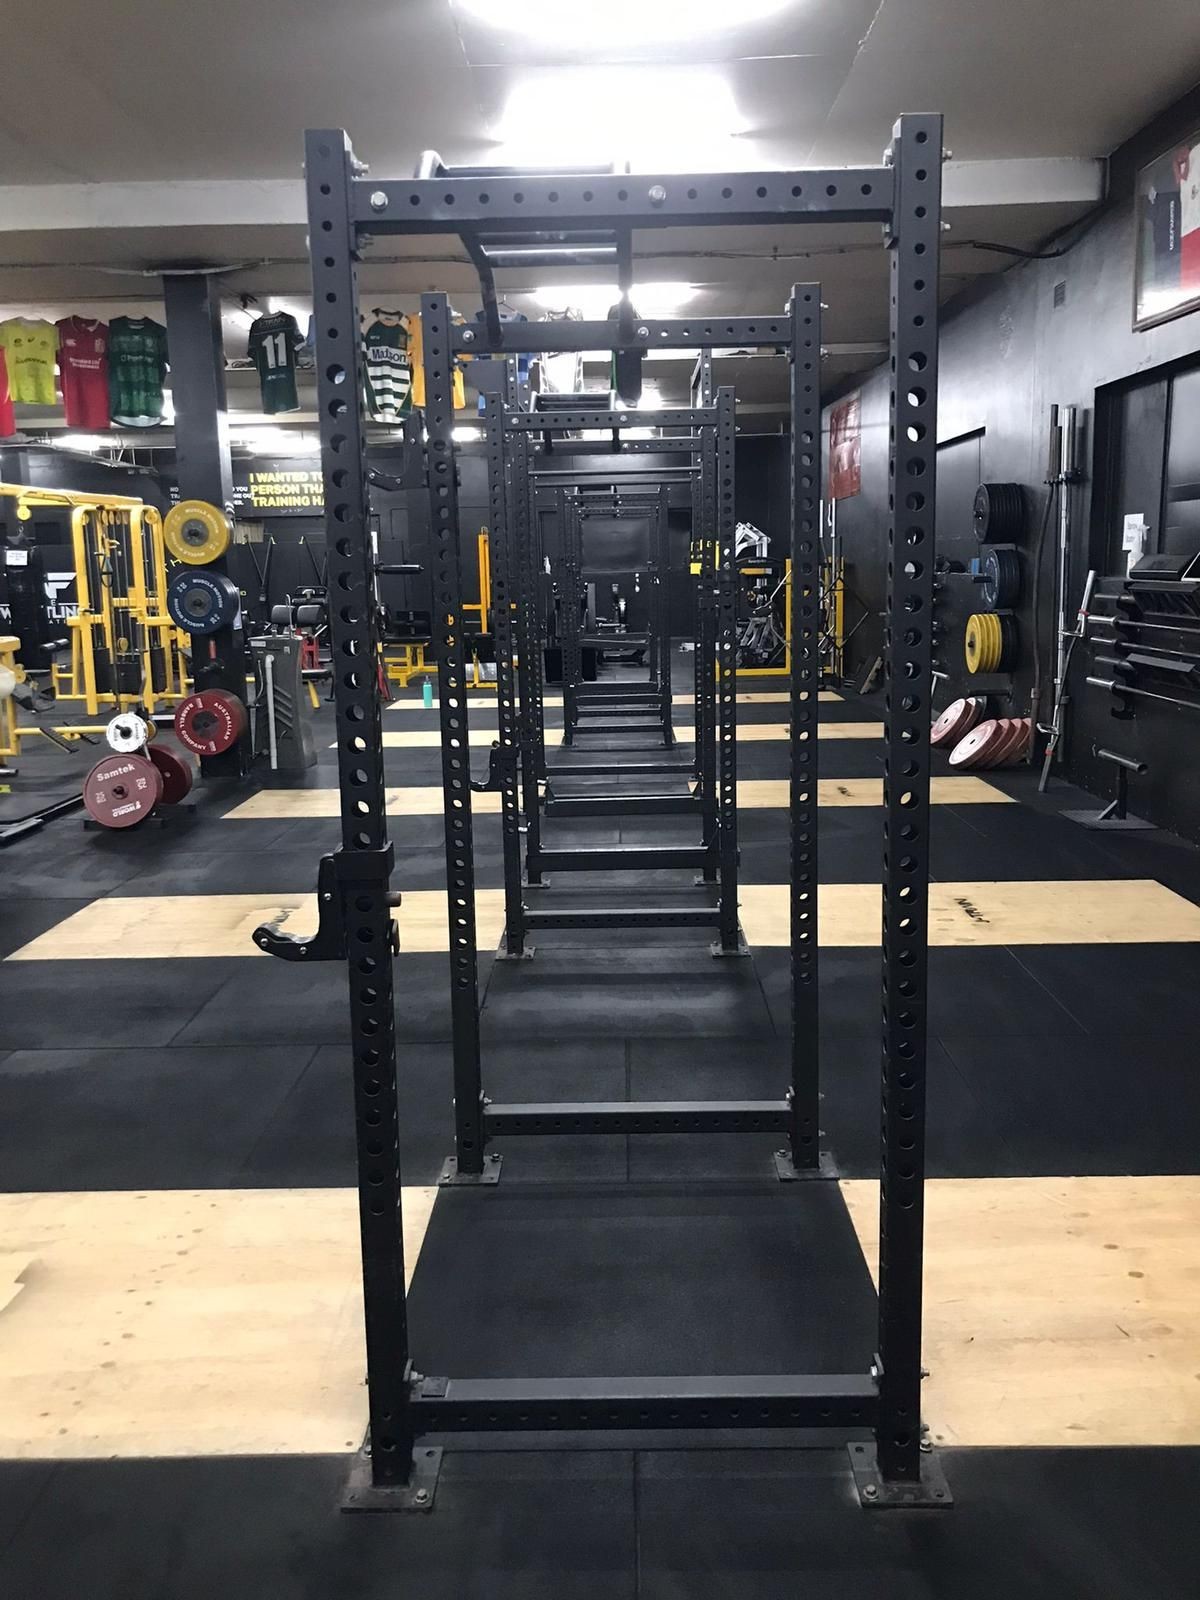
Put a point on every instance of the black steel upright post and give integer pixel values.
(805, 685)
(917, 158)
(706, 656)
(726, 729)
(449, 642)
(662, 588)
(530, 651)
(570, 539)
(506, 705)
(364, 860)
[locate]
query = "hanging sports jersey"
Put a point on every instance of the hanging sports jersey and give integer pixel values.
(137, 365)
(7, 424)
(389, 376)
(30, 349)
(274, 341)
(83, 365)
(416, 356)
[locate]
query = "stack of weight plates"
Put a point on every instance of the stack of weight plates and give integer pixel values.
(957, 719)
(998, 742)
(1001, 578)
(990, 644)
(999, 512)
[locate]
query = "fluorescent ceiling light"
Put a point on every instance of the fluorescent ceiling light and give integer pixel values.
(582, 23)
(89, 443)
(594, 299)
(659, 119)
(274, 441)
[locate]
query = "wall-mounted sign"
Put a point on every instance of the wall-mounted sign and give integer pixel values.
(1167, 258)
(845, 448)
(287, 488)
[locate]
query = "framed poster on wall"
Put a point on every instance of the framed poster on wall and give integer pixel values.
(845, 448)
(1167, 253)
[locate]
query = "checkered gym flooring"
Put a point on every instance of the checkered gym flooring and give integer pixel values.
(180, 1320)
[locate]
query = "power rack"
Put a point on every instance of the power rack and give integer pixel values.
(498, 206)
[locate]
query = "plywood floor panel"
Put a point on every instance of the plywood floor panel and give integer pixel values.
(1112, 911)
(754, 794)
(1057, 1310)
(171, 1323)
(747, 733)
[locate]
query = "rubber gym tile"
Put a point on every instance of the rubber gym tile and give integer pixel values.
(272, 869)
(964, 1140)
(73, 1004)
(986, 990)
(22, 1484)
(63, 861)
(1071, 1524)
(24, 919)
(1121, 989)
(126, 1117)
(651, 1280)
(506, 1526)
(635, 990)
(310, 1139)
(276, 1002)
(1015, 842)
(1097, 1105)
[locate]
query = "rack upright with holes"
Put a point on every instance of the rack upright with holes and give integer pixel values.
(903, 194)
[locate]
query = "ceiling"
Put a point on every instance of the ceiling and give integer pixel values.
(163, 95)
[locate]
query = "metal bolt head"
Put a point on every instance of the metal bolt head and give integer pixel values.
(947, 155)
(643, 333)
(379, 200)
(421, 1497)
(927, 1446)
(870, 1491)
(358, 167)
(468, 336)
(656, 194)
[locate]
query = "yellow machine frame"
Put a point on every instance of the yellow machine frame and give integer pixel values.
(784, 671)
(110, 522)
(404, 662)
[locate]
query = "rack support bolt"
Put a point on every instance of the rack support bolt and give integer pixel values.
(379, 200)
(656, 194)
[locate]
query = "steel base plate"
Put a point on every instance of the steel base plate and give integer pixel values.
(362, 1494)
(930, 1493)
(787, 1172)
(451, 1178)
(1097, 822)
(516, 955)
(716, 948)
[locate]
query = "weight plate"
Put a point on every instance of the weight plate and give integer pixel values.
(1001, 578)
(999, 512)
(209, 723)
(196, 532)
(203, 602)
(980, 644)
(1010, 737)
(127, 734)
(974, 749)
(956, 720)
(122, 790)
(176, 774)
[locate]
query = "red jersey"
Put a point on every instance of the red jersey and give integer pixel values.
(83, 365)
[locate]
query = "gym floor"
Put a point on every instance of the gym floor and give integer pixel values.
(181, 1367)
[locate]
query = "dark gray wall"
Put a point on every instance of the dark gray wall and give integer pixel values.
(1007, 353)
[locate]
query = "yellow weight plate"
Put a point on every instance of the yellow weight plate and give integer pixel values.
(196, 532)
(995, 642)
(973, 643)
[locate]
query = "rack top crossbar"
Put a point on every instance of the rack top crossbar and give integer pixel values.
(674, 333)
(544, 203)
(605, 421)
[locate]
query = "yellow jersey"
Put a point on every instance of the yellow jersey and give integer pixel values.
(29, 350)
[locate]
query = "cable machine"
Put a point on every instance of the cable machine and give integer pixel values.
(355, 901)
